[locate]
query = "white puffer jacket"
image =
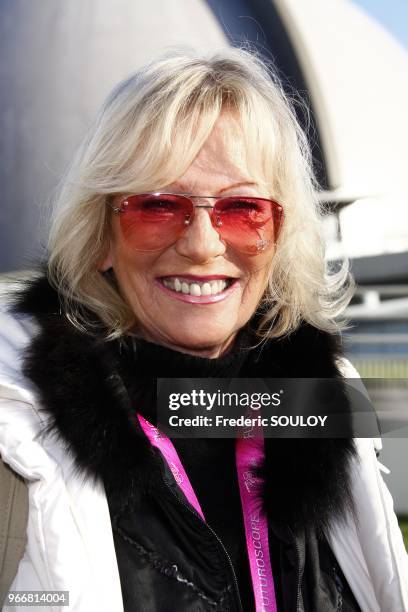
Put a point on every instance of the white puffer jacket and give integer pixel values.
(69, 539)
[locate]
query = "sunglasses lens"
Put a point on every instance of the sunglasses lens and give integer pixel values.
(152, 222)
(250, 225)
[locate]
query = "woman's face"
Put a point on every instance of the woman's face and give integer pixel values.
(206, 327)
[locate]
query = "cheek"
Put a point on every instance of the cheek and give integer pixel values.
(258, 272)
(131, 271)
(125, 261)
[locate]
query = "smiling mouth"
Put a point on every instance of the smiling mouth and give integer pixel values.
(197, 287)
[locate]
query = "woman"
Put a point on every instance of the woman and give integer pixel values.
(186, 242)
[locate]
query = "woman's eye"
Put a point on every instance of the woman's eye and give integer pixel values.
(158, 205)
(242, 205)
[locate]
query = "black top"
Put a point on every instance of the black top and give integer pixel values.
(209, 463)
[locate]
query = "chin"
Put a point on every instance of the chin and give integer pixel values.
(198, 341)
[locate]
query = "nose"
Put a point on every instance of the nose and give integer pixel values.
(200, 242)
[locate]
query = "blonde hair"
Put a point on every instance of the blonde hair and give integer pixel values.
(146, 135)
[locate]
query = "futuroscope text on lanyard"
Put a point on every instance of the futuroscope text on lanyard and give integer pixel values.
(249, 454)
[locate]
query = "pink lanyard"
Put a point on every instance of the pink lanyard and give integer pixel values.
(249, 454)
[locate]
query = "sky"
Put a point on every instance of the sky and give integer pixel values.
(392, 14)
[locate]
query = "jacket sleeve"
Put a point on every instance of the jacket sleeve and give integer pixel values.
(70, 545)
(369, 545)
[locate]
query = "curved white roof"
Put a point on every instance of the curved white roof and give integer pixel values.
(357, 75)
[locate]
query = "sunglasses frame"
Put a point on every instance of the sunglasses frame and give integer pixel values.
(216, 222)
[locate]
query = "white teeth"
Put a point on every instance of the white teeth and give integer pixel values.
(195, 288)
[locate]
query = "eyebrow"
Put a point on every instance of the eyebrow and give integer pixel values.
(241, 184)
(233, 186)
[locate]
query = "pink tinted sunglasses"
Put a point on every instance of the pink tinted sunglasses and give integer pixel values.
(154, 221)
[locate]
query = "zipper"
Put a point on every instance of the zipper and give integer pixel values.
(206, 525)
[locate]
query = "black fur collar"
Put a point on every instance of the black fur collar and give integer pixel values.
(88, 407)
